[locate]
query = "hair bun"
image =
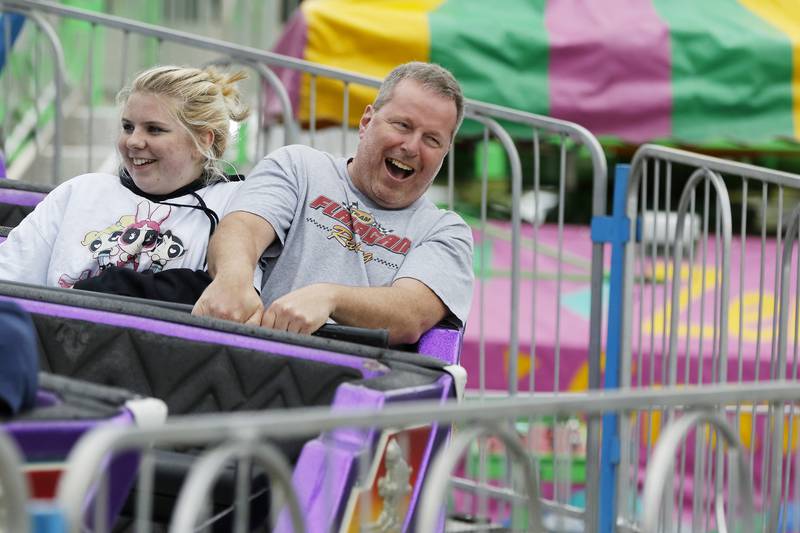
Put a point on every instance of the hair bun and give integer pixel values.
(226, 83)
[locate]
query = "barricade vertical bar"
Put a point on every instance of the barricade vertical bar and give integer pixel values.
(761, 275)
(90, 96)
(144, 489)
(562, 182)
(451, 177)
(312, 109)
(7, 77)
(537, 168)
(123, 72)
(483, 268)
(599, 192)
(37, 88)
(345, 115)
(609, 454)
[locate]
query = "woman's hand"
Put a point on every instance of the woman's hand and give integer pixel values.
(230, 300)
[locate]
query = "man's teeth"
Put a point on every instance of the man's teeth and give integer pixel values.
(137, 161)
(400, 165)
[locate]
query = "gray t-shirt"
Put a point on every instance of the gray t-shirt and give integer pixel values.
(328, 231)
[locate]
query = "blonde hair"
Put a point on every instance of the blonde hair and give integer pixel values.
(203, 100)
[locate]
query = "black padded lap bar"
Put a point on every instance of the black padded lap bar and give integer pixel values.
(77, 400)
(168, 313)
(14, 209)
(11, 215)
(191, 377)
(23, 186)
(190, 374)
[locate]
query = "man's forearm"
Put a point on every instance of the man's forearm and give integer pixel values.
(232, 256)
(407, 309)
(237, 245)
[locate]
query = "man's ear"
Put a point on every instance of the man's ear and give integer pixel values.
(365, 120)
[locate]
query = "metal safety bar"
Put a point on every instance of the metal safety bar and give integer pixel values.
(13, 488)
(87, 459)
(660, 472)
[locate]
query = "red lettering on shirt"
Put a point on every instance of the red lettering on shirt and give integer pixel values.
(342, 216)
(320, 201)
(387, 241)
(361, 223)
(360, 228)
(402, 247)
(371, 235)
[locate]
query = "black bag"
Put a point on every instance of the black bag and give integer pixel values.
(179, 285)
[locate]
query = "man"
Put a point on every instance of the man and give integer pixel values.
(352, 240)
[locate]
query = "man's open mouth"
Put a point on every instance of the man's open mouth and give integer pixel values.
(398, 169)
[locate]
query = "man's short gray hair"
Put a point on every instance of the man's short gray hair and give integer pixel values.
(431, 76)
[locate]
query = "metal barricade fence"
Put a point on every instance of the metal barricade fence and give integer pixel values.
(782, 474)
(699, 304)
(548, 269)
(514, 504)
(72, 86)
(536, 320)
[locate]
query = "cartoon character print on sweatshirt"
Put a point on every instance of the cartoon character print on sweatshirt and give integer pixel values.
(102, 244)
(141, 237)
(358, 230)
(134, 241)
(169, 247)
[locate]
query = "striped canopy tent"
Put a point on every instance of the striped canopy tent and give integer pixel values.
(687, 71)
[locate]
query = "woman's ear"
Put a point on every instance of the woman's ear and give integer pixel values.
(207, 139)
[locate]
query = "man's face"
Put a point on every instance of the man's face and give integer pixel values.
(402, 145)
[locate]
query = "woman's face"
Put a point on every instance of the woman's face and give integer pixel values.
(155, 148)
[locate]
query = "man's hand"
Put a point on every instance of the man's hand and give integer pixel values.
(407, 309)
(230, 301)
(304, 310)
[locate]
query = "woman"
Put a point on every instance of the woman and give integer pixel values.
(159, 212)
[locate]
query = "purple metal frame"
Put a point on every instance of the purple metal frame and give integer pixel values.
(52, 440)
(443, 344)
(20, 197)
(335, 454)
